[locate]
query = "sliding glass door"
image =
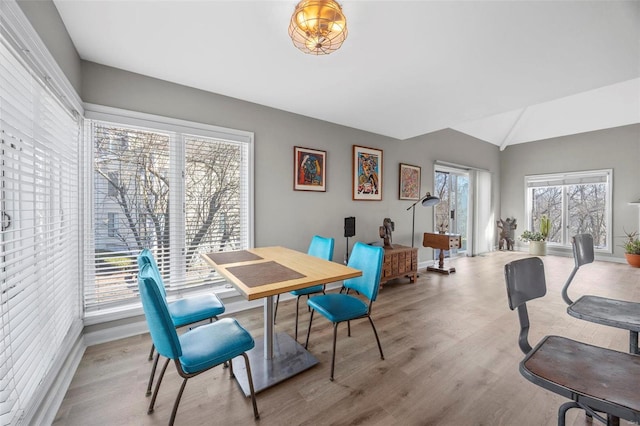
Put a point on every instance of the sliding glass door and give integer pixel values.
(451, 215)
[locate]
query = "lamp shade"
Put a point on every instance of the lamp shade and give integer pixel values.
(430, 200)
(318, 27)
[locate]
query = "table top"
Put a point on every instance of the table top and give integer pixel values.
(267, 271)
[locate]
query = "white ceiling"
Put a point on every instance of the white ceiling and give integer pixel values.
(503, 71)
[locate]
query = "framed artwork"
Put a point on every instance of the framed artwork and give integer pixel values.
(367, 173)
(309, 169)
(409, 182)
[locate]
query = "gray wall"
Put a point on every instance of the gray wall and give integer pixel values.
(284, 216)
(617, 149)
(44, 17)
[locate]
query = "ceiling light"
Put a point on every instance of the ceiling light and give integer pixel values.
(318, 27)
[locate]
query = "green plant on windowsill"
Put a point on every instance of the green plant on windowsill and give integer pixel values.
(632, 245)
(542, 235)
(531, 236)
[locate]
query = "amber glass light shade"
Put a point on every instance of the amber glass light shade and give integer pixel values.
(318, 27)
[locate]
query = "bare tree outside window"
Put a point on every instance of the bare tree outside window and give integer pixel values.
(135, 181)
(576, 203)
(547, 201)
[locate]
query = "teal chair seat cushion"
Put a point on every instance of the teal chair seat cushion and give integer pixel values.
(308, 290)
(193, 309)
(338, 307)
(212, 344)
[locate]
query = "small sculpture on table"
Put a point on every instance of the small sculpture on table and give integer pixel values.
(385, 231)
(506, 233)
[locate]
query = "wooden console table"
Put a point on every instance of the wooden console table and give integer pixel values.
(399, 261)
(442, 242)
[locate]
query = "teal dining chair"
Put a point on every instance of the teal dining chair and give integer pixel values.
(195, 351)
(183, 312)
(321, 247)
(341, 307)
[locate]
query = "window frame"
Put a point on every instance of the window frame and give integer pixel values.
(155, 123)
(563, 180)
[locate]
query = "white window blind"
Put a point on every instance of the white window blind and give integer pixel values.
(39, 259)
(176, 190)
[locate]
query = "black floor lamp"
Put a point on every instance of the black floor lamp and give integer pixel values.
(427, 201)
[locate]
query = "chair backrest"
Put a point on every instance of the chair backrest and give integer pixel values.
(525, 281)
(321, 247)
(161, 327)
(582, 254)
(368, 259)
(582, 249)
(146, 258)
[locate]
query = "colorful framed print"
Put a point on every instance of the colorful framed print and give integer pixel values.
(367, 173)
(309, 169)
(409, 182)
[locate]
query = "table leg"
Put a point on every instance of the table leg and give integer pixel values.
(274, 358)
(633, 342)
(441, 269)
(268, 327)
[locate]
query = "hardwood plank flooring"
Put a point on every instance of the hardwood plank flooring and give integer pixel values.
(451, 358)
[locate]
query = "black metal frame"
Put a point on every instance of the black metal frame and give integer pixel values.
(520, 290)
(335, 334)
(157, 357)
(187, 376)
(581, 308)
(275, 311)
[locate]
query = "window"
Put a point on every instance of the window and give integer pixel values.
(112, 181)
(576, 203)
(112, 226)
(179, 192)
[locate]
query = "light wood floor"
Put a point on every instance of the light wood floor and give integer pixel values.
(451, 358)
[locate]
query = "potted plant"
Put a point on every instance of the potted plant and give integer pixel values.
(538, 240)
(632, 249)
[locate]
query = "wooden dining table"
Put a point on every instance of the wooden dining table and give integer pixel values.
(262, 273)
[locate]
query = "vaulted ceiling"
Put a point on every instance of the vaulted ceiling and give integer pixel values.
(503, 71)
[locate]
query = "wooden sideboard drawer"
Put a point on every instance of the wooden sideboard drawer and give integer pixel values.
(399, 262)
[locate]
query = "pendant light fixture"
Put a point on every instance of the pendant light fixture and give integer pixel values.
(318, 27)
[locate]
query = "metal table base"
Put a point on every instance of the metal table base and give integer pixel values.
(289, 358)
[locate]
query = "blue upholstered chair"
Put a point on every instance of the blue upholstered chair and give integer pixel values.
(184, 311)
(321, 247)
(195, 351)
(339, 307)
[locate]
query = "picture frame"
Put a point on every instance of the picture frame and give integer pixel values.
(309, 169)
(409, 182)
(367, 174)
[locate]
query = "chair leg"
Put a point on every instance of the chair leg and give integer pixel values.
(309, 331)
(562, 411)
(297, 308)
(231, 375)
(253, 393)
(275, 310)
(349, 328)
(153, 373)
(175, 405)
(155, 392)
(333, 356)
(151, 352)
(376, 334)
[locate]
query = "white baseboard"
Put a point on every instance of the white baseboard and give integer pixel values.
(56, 384)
